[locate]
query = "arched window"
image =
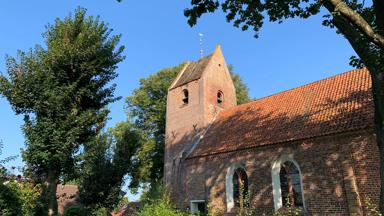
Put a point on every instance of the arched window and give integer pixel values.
(237, 193)
(290, 184)
(287, 183)
(220, 97)
(240, 188)
(185, 96)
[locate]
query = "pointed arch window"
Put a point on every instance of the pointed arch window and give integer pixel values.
(236, 187)
(240, 188)
(290, 185)
(287, 183)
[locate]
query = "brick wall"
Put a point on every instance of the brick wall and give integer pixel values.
(186, 122)
(324, 164)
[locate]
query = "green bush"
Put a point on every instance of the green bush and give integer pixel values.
(19, 198)
(75, 210)
(100, 212)
(160, 208)
(10, 204)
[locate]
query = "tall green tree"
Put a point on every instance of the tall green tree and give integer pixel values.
(62, 88)
(106, 161)
(360, 22)
(146, 107)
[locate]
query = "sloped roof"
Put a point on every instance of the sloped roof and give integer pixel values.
(193, 71)
(337, 104)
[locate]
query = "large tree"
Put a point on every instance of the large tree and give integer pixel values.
(62, 89)
(146, 107)
(360, 22)
(106, 161)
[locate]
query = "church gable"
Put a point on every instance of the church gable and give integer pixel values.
(337, 104)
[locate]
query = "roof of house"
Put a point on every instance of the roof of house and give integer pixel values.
(337, 104)
(193, 71)
(66, 196)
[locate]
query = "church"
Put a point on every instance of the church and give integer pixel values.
(312, 147)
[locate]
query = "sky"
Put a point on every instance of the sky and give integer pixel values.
(156, 35)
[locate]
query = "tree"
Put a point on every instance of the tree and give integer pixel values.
(242, 94)
(360, 22)
(62, 89)
(10, 203)
(146, 107)
(106, 161)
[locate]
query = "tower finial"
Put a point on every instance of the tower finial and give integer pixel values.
(201, 35)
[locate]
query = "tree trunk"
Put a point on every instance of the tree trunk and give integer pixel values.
(50, 193)
(373, 59)
(377, 77)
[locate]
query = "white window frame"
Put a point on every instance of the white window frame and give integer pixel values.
(194, 205)
(276, 187)
(229, 184)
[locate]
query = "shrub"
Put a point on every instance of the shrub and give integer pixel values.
(75, 210)
(100, 212)
(160, 208)
(10, 204)
(19, 198)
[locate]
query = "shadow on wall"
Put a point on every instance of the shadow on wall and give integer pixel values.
(259, 132)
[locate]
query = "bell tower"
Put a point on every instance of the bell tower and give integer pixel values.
(200, 91)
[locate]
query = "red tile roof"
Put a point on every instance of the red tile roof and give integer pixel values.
(333, 105)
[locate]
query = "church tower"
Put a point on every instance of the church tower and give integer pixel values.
(200, 91)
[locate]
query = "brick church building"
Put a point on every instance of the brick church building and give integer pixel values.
(312, 146)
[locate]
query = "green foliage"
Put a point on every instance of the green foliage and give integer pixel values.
(122, 203)
(155, 192)
(246, 14)
(106, 161)
(10, 204)
(7, 159)
(157, 203)
(160, 208)
(242, 90)
(100, 212)
(19, 198)
(245, 210)
(290, 210)
(146, 107)
(12, 194)
(62, 89)
(372, 208)
(75, 210)
(214, 211)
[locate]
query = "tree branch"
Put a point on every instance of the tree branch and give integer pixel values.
(357, 40)
(379, 12)
(339, 6)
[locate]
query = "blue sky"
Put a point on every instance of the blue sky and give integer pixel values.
(156, 35)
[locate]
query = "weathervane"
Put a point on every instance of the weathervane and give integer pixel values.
(201, 45)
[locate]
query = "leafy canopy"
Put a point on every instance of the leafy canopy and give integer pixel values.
(107, 159)
(361, 22)
(62, 89)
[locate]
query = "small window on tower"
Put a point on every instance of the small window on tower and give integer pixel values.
(220, 97)
(185, 96)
